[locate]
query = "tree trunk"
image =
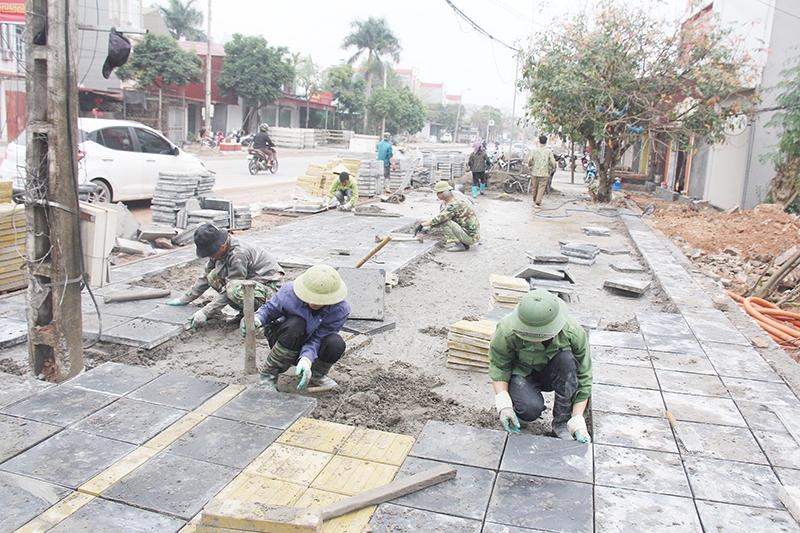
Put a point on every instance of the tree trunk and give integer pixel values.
(784, 186)
(779, 274)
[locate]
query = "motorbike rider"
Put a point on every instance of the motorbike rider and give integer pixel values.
(263, 145)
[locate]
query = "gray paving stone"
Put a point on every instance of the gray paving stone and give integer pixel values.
(141, 333)
(91, 325)
(24, 499)
(620, 510)
(705, 409)
(712, 479)
(12, 332)
(581, 261)
(561, 287)
(681, 362)
(622, 400)
(466, 496)
(490, 527)
(131, 309)
(739, 362)
(496, 314)
(61, 405)
(617, 339)
(780, 447)
(624, 375)
(579, 250)
(225, 442)
(540, 272)
(258, 405)
(683, 344)
(656, 323)
(711, 325)
(170, 314)
(626, 356)
(633, 431)
(537, 455)
(20, 434)
(477, 447)
(645, 470)
(369, 327)
(627, 286)
(612, 250)
(761, 415)
(723, 442)
(390, 517)
(546, 257)
(13, 307)
(171, 484)
(627, 267)
(366, 289)
(114, 378)
(69, 459)
(16, 388)
(587, 321)
(130, 420)
(538, 502)
(777, 394)
(790, 477)
(173, 390)
(596, 230)
(103, 515)
(690, 383)
(724, 518)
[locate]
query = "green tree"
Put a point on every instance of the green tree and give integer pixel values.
(254, 71)
(403, 110)
(374, 38)
(447, 115)
(183, 20)
(785, 186)
(482, 116)
(347, 90)
(309, 80)
(618, 74)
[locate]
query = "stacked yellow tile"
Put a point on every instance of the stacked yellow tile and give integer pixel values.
(468, 345)
(507, 291)
(316, 181)
(12, 241)
(353, 165)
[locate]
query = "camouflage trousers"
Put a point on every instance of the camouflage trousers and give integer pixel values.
(455, 233)
(235, 292)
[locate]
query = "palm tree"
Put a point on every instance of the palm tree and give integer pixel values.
(374, 37)
(183, 20)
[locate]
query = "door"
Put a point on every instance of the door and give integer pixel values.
(115, 159)
(157, 155)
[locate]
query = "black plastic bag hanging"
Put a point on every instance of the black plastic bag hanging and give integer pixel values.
(119, 48)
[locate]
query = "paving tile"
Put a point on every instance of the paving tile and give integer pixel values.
(131, 309)
(16, 388)
(249, 487)
(317, 435)
(91, 325)
(697, 363)
(762, 415)
(624, 375)
(366, 288)
(682, 344)
(614, 399)
(368, 327)
(490, 527)
(477, 447)
(171, 484)
(739, 362)
(466, 496)
(391, 517)
(61, 405)
(620, 510)
(711, 325)
(13, 307)
(346, 475)
(288, 463)
(267, 408)
(789, 477)
(538, 502)
(114, 378)
(780, 447)
(618, 339)
(777, 394)
(12, 332)
(711, 479)
(103, 515)
(130, 420)
(224, 442)
(24, 499)
(173, 390)
(380, 446)
(20, 434)
(632, 431)
(171, 314)
(69, 458)
(355, 522)
(723, 442)
(141, 333)
(537, 455)
(656, 323)
(625, 356)
(704, 409)
(691, 383)
(644, 470)
(724, 518)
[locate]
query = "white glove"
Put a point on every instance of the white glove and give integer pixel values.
(577, 428)
(198, 320)
(505, 407)
(303, 369)
(176, 302)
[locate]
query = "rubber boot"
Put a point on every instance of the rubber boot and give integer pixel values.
(474, 191)
(483, 187)
(279, 359)
(319, 375)
(562, 412)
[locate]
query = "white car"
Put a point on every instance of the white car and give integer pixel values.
(120, 157)
(447, 137)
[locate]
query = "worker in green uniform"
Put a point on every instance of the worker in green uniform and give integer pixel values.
(458, 219)
(540, 347)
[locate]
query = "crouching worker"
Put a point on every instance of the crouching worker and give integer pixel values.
(540, 347)
(345, 190)
(458, 219)
(230, 262)
(302, 324)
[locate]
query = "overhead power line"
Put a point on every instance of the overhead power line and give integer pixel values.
(476, 27)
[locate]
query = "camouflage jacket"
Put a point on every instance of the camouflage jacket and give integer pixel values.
(542, 162)
(462, 214)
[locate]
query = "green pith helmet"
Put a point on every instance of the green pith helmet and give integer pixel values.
(539, 316)
(442, 186)
(320, 285)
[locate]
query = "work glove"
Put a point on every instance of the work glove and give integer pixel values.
(243, 329)
(176, 301)
(198, 320)
(417, 229)
(577, 428)
(324, 202)
(394, 167)
(505, 407)
(303, 369)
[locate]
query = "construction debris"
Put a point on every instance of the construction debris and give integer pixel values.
(127, 246)
(627, 267)
(541, 258)
(468, 345)
(596, 230)
(580, 251)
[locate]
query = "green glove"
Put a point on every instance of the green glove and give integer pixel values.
(243, 329)
(198, 320)
(303, 369)
(577, 428)
(505, 407)
(176, 301)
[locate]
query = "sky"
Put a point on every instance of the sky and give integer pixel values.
(442, 46)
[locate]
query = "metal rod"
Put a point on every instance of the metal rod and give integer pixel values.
(249, 327)
(89, 27)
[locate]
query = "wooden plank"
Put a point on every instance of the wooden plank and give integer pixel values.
(457, 366)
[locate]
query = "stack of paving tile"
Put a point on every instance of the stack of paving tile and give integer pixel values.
(583, 253)
(220, 219)
(242, 218)
(173, 191)
(12, 242)
(316, 182)
(507, 291)
(556, 280)
(468, 345)
(450, 165)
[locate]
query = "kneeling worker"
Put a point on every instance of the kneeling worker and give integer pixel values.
(302, 324)
(458, 219)
(345, 190)
(230, 261)
(540, 347)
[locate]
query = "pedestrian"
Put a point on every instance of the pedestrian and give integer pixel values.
(230, 262)
(458, 220)
(345, 190)
(386, 155)
(302, 324)
(542, 163)
(540, 347)
(202, 133)
(478, 161)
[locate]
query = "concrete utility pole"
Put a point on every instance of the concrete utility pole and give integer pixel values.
(54, 260)
(207, 121)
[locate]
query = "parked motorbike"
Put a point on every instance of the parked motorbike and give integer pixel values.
(246, 140)
(517, 183)
(256, 160)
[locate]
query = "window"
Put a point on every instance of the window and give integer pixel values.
(118, 138)
(150, 143)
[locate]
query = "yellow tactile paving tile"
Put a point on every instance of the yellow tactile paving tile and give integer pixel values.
(117, 471)
(56, 514)
(219, 399)
(316, 435)
(350, 523)
(175, 431)
(289, 463)
(349, 476)
(249, 487)
(380, 446)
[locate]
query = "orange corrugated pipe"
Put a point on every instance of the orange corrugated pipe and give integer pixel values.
(765, 312)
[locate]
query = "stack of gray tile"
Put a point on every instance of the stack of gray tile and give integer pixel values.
(242, 219)
(450, 165)
(370, 177)
(220, 219)
(172, 191)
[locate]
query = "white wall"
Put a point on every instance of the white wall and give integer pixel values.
(726, 177)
